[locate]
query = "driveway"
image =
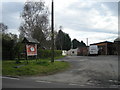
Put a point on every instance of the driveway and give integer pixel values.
(96, 71)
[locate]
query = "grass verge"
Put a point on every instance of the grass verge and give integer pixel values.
(34, 67)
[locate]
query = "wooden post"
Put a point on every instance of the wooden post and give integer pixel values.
(52, 27)
(26, 53)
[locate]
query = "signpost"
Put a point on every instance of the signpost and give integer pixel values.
(30, 47)
(31, 50)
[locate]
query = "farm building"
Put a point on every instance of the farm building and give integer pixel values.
(82, 51)
(105, 48)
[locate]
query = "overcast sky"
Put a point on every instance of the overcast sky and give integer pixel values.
(97, 21)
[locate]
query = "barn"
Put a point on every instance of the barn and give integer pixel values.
(105, 48)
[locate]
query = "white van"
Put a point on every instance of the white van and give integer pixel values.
(93, 50)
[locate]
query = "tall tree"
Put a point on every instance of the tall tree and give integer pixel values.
(63, 41)
(59, 40)
(77, 44)
(82, 44)
(67, 42)
(35, 21)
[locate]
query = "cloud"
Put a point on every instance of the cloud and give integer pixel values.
(11, 14)
(93, 37)
(91, 19)
(94, 20)
(97, 21)
(106, 22)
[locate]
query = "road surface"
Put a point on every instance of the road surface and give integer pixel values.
(85, 71)
(9, 82)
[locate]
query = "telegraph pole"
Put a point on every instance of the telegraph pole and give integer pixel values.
(87, 41)
(52, 31)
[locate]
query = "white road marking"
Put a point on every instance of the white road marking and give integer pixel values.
(43, 81)
(11, 78)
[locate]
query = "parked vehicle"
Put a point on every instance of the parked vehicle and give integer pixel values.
(93, 50)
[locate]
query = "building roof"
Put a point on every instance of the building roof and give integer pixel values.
(117, 39)
(30, 40)
(101, 42)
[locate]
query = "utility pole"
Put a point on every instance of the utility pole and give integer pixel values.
(52, 31)
(106, 48)
(87, 41)
(87, 46)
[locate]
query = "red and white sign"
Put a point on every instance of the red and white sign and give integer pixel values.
(31, 50)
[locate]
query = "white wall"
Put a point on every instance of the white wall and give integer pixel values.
(64, 52)
(72, 52)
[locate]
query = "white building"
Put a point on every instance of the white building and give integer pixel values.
(64, 52)
(72, 52)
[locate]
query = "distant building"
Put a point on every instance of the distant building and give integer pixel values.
(64, 52)
(72, 52)
(105, 48)
(82, 51)
(117, 46)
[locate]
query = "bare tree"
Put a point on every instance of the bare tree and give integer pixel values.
(35, 21)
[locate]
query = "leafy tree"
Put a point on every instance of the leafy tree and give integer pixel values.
(82, 44)
(77, 44)
(8, 43)
(67, 42)
(60, 40)
(63, 41)
(35, 21)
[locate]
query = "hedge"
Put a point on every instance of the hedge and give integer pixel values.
(47, 53)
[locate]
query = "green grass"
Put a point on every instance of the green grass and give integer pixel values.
(39, 67)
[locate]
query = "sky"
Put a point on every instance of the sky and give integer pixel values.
(95, 20)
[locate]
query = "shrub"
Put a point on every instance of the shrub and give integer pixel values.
(47, 53)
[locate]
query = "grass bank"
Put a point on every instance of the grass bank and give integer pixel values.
(34, 67)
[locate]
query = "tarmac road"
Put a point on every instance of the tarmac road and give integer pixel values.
(95, 71)
(28, 83)
(85, 71)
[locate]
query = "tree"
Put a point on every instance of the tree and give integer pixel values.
(9, 42)
(35, 21)
(59, 40)
(63, 41)
(3, 28)
(82, 44)
(77, 44)
(67, 42)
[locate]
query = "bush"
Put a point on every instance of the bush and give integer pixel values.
(47, 53)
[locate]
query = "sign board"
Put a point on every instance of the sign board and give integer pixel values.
(31, 50)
